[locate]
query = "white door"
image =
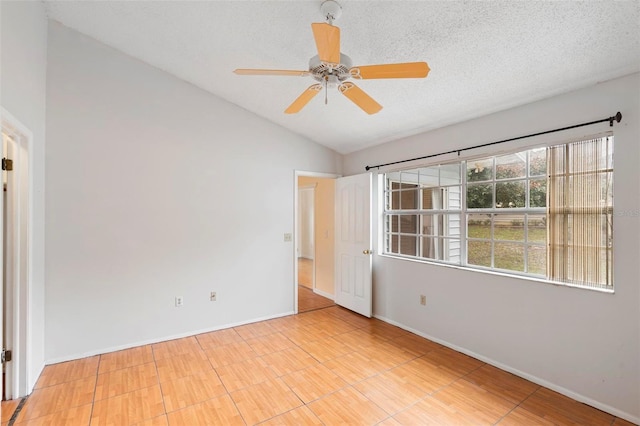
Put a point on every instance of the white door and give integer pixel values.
(353, 243)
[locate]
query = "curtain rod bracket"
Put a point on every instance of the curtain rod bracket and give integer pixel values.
(616, 117)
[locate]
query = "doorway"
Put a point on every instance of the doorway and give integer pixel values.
(314, 243)
(305, 234)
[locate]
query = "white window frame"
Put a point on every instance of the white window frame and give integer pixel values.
(464, 213)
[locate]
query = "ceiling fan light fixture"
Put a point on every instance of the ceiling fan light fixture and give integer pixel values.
(331, 68)
(320, 70)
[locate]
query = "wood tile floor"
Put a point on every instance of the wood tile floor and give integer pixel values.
(327, 366)
(305, 272)
(309, 301)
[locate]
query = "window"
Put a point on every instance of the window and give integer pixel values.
(424, 212)
(544, 212)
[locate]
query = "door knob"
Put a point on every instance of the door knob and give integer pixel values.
(367, 251)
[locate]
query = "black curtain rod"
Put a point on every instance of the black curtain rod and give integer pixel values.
(615, 118)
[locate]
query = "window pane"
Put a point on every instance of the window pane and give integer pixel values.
(452, 198)
(428, 176)
(511, 166)
(480, 196)
(393, 248)
(537, 228)
(509, 256)
(537, 259)
(480, 170)
(450, 174)
(452, 250)
(538, 193)
(451, 223)
(409, 178)
(508, 227)
(431, 248)
(606, 267)
(431, 199)
(408, 245)
(395, 200)
(393, 222)
(589, 155)
(393, 177)
(444, 249)
(588, 230)
(447, 225)
(408, 224)
(538, 162)
(607, 225)
(510, 194)
(479, 253)
(431, 224)
(479, 226)
(402, 200)
(606, 186)
(409, 199)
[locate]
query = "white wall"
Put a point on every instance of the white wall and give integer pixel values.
(583, 343)
(153, 190)
(23, 65)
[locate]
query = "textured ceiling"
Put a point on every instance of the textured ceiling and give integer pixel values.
(484, 55)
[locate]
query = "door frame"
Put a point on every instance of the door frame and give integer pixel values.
(19, 324)
(296, 175)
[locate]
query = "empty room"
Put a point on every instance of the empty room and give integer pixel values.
(320, 212)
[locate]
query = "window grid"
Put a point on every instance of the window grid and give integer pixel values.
(528, 170)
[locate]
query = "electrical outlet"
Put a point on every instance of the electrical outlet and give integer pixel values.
(213, 297)
(423, 300)
(179, 301)
(287, 237)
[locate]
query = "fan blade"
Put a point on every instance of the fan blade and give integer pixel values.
(359, 97)
(405, 70)
(303, 99)
(328, 42)
(252, 71)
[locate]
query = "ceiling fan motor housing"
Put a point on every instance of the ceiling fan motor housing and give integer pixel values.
(332, 74)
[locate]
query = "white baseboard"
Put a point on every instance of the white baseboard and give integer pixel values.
(573, 395)
(161, 339)
(324, 294)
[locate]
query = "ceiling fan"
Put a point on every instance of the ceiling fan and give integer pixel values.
(331, 68)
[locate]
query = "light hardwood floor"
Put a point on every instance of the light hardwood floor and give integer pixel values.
(309, 301)
(327, 366)
(305, 272)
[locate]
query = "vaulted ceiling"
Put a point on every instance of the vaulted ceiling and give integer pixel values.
(484, 56)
